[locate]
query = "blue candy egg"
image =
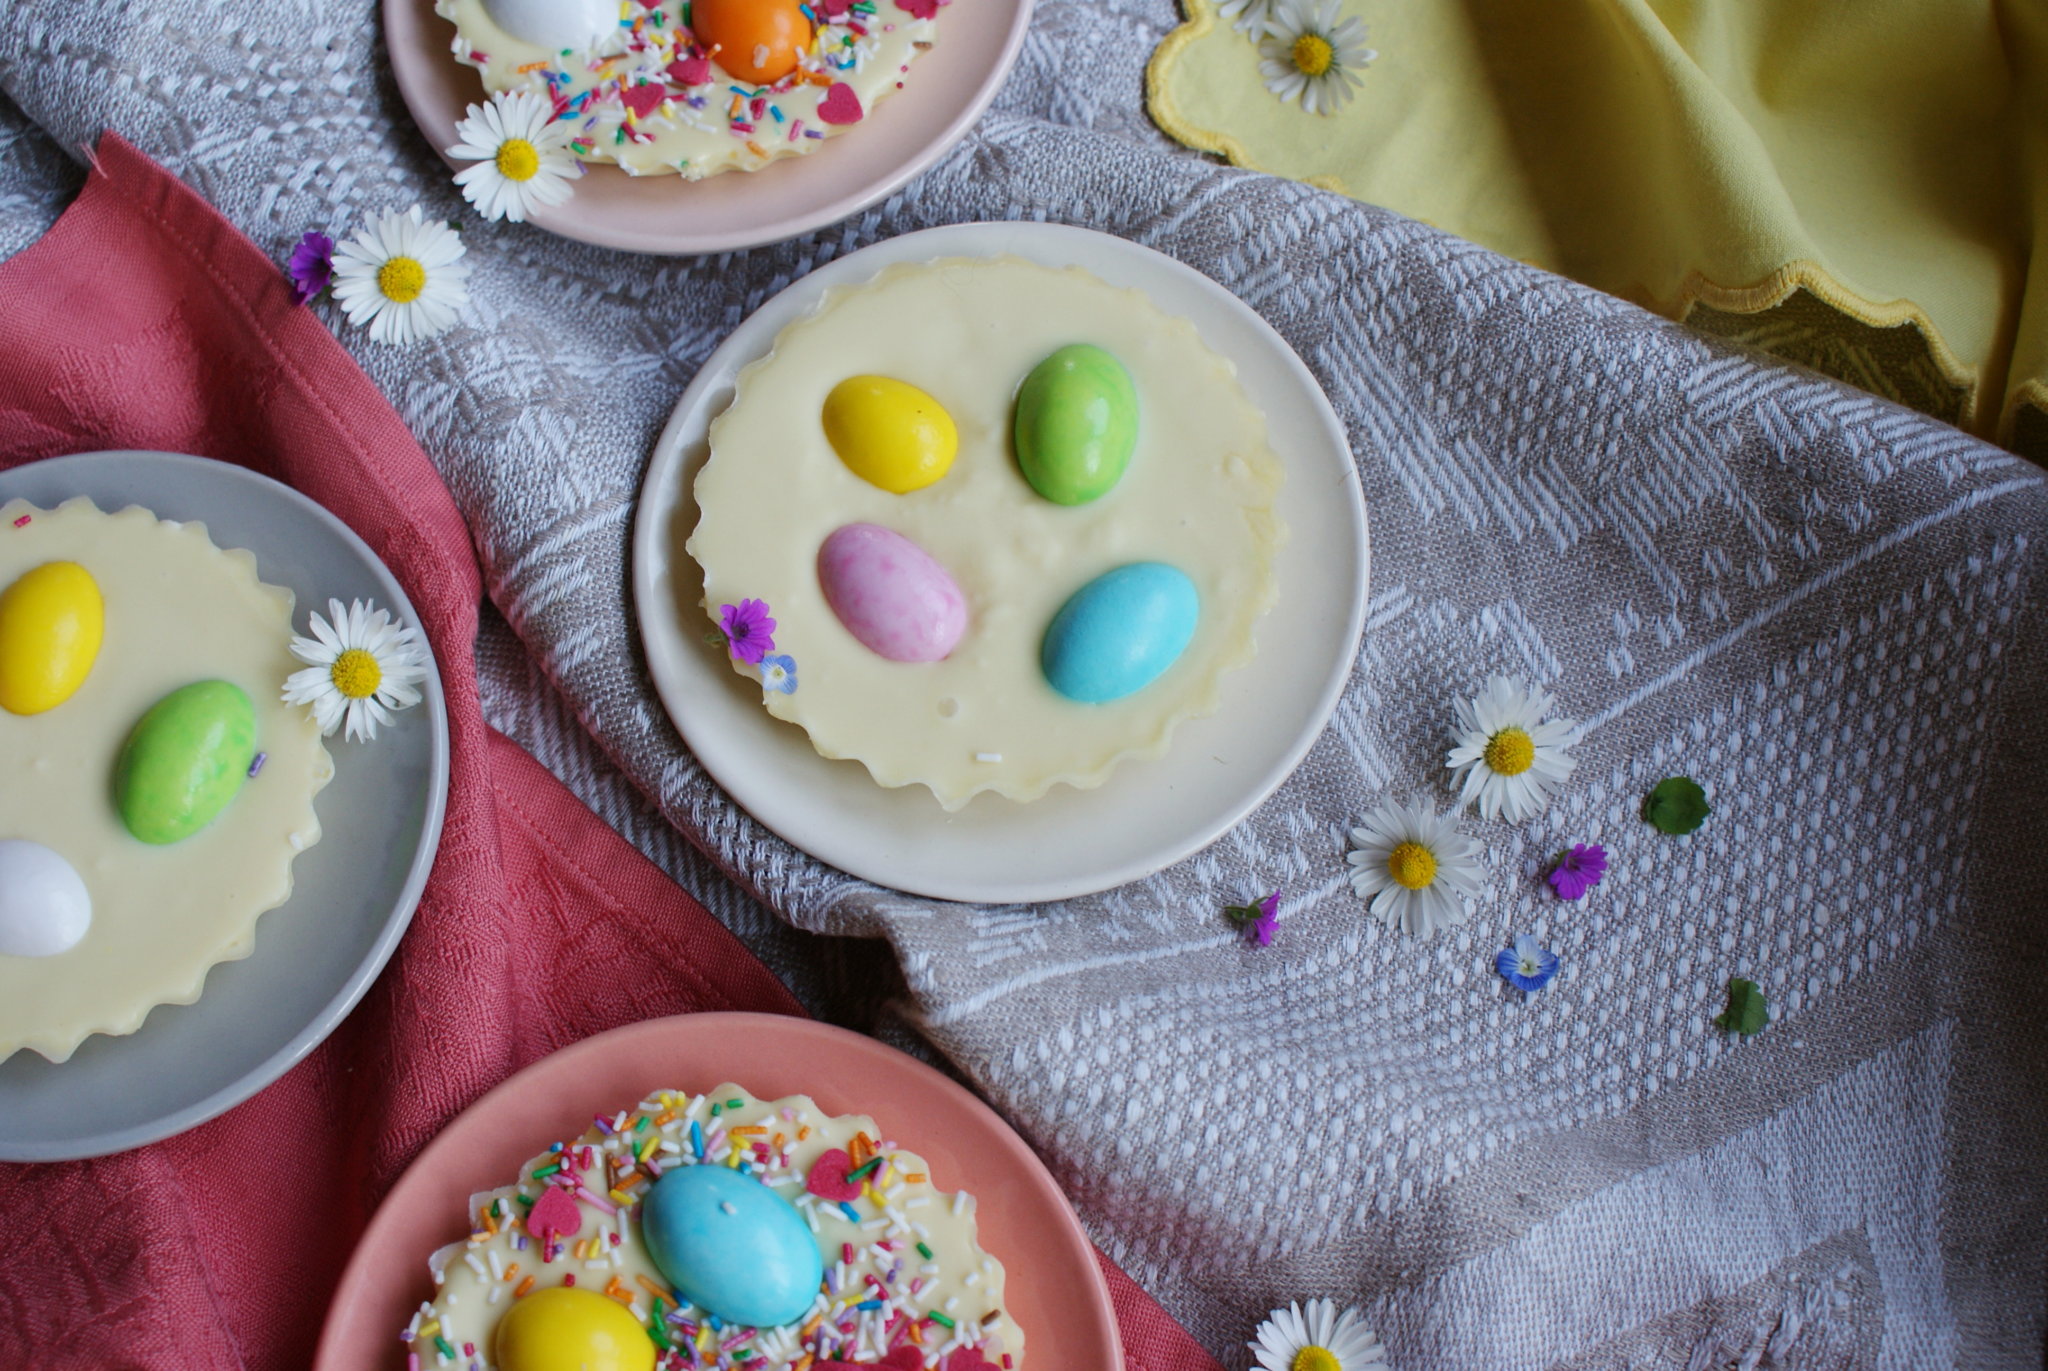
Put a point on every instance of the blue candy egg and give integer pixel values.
(731, 1246)
(1120, 632)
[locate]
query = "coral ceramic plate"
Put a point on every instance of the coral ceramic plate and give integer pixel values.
(946, 92)
(1055, 1290)
(1149, 814)
(353, 892)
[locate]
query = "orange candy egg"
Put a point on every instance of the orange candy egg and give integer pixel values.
(754, 40)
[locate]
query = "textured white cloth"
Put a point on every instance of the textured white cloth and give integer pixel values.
(1821, 606)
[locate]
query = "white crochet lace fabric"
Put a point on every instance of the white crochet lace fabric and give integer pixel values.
(1821, 606)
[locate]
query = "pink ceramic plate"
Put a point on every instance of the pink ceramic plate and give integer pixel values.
(946, 91)
(1054, 1289)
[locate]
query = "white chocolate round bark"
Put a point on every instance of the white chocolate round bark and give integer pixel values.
(1198, 495)
(857, 59)
(178, 610)
(900, 1208)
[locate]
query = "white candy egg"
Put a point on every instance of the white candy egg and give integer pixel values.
(44, 906)
(555, 24)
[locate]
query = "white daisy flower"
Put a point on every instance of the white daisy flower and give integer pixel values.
(358, 670)
(1246, 16)
(402, 276)
(1415, 868)
(1509, 756)
(521, 155)
(1317, 1338)
(1312, 52)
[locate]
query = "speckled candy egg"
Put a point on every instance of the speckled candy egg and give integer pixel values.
(44, 906)
(555, 24)
(755, 40)
(51, 622)
(1077, 424)
(889, 433)
(184, 760)
(1120, 632)
(732, 1246)
(891, 594)
(571, 1327)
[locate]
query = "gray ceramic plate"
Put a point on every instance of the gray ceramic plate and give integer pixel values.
(353, 891)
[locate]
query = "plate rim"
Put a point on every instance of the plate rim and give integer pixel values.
(329, 1015)
(654, 1036)
(409, 71)
(665, 470)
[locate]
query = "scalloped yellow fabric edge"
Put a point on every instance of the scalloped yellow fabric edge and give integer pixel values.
(1702, 141)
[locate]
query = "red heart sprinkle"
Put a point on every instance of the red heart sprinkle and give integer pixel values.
(836, 1366)
(828, 1177)
(692, 71)
(834, 8)
(903, 1357)
(554, 1215)
(841, 105)
(643, 100)
(919, 9)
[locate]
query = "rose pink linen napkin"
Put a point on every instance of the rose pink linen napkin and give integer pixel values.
(143, 319)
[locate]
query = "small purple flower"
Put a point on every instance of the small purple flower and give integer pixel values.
(749, 632)
(779, 673)
(312, 266)
(1256, 921)
(1528, 965)
(1578, 871)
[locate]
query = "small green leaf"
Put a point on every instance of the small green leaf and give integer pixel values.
(1677, 805)
(1240, 913)
(1747, 1012)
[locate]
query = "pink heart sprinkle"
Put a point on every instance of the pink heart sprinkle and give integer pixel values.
(968, 1359)
(554, 1215)
(841, 105)
(904, 1357)
(919, 9)
(828, 1178)
(837, 1366)
(643, 100)
(834, 8)
(692, 71)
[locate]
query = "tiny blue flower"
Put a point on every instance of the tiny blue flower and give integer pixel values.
(1528, 965)
(779, 673)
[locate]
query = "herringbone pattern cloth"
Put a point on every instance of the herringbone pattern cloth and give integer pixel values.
(1820, 605)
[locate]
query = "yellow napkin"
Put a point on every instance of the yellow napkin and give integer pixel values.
(1858, 185)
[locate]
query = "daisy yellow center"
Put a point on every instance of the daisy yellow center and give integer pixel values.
(1510, 752)
(356, 674)
(1313, 55)
(401, 279)
(1414, 866)
(518, 159)
(1316, 1359)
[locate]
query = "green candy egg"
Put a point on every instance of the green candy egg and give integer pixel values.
(1077, 422)
(184, 760)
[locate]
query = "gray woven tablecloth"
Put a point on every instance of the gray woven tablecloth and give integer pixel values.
(1821, 606)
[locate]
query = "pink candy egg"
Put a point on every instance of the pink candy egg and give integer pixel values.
(890, 594)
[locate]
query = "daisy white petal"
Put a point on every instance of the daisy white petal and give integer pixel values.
(400, 276)
(1312, 53)
(1508, 756)
(1318, 1338)
(1414, 868)
(520, 153)
(368, 669)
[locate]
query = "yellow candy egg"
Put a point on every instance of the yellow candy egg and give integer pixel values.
(572, 1327)
(51, 620)
(889, 433)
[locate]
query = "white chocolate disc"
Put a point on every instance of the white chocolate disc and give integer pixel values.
(1198, 495)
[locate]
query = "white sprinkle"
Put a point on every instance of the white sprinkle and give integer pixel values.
(497, 1266)
(988, 756)
(928, 1269)
(496, 1291)
(952, 1303)
(922, 1231)
(921, 1199)
(973, 1278)
(727, 1206)
(959, 1201)
(875, 1223)
(600, 1264)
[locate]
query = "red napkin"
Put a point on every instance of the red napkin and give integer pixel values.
(145, 320)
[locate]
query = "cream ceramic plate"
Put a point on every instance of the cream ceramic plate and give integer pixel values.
(946, 92)
(353, 892)
(1150, 813)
